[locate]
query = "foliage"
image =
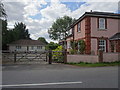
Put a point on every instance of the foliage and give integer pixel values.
(5, 34)
(9, 35)
(58, 56)
(52, 46)
(74, 47)
(2, 10)
(20, 31)
(59, 27)
(81, 46)
(42, 39)
(73, 51)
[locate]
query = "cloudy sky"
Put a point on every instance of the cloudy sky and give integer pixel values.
(38, 15)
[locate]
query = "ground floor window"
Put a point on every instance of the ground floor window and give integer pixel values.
(18, 47)
(32, 47)
(102, 45)
(39, 47)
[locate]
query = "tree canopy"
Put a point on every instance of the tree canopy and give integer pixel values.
(20, 31)
(9, 35)
(59, 27)
(52, 46)
(42, 39)
(2, 10)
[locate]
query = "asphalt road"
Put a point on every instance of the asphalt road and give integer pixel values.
(59, 76)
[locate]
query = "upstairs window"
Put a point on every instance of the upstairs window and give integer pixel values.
(102, 23)
(79, 27)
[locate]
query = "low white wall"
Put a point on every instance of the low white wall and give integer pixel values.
(111, 57)
(82, 58)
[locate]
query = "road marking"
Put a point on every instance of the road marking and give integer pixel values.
(40, 84)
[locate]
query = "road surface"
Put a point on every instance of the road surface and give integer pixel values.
(59, 76)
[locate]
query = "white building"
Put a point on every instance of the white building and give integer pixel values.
(27, 45)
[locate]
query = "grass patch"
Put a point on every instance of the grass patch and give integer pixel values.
(83, 64)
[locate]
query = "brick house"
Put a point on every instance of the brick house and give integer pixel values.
(98, 30)
(115, 42)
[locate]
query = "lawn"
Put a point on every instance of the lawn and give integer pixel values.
(83, 64)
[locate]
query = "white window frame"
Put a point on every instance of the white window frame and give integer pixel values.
(18, 47)
(32, 47)
(102, 23)
(102, 43)
(79, 27)
(39, 47)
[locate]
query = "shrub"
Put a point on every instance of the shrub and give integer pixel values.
(72, 51)
(58, 56)
(81, 46)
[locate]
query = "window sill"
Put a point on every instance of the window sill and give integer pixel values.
(79, 31)
(102, 29)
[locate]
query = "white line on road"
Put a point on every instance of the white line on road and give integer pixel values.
(40, 84)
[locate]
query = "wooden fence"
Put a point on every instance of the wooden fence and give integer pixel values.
(46, 56)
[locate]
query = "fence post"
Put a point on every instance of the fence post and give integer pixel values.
(46, 56)
(15, 54)
(100, 55)
(50, 57)
(65, 56)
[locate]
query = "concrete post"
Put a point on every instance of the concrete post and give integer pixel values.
(50, 57)
(15, 54)
(65, 56)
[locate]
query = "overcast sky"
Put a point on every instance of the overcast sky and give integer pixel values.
(38, 15)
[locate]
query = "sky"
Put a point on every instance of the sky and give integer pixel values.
(39, 15)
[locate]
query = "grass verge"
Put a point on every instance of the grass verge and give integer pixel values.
(83, 64)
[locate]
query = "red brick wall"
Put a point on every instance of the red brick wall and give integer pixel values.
(88, 35)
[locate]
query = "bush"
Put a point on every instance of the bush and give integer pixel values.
(72, 51)
(58, 56)
(81, 46)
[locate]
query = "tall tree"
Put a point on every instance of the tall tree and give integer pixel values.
(3, 26)
(52, 46)
(5, 34)
(58, 29)
(2, 11)
(9, 35)
(20, 31)
(42, 39)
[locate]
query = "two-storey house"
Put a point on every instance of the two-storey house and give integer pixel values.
(97, 30)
